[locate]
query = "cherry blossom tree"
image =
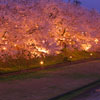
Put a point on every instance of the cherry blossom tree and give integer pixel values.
(44, 27)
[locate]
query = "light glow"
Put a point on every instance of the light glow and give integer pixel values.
(91, 54)
(70, 57)
(96, 41)
(41, 62)
(86, 47)
(4, 48)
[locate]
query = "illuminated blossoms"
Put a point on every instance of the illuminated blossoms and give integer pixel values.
(43, 27)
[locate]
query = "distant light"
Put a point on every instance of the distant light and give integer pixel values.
(70, 57)
(4, 48)
(77, 39)
(16, 26)
(91, 54)
(58, 52)
(83, 32)
(42, 50)
(15, 45)
(70, 43)
(6, 42)
(96, 41)
(41, 62)
(3, 38)
(86, 47)
(43, 41)
(63, 39)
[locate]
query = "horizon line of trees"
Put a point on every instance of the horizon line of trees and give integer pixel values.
(77, 2)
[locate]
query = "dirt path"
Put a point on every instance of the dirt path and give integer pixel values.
(54, 83)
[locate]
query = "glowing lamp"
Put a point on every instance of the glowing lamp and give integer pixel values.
(70, 57)
(41, 62)
(91, 54)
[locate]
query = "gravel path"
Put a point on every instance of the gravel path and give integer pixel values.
(55, 83)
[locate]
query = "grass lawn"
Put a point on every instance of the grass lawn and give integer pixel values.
(70, 71)
(13, 65)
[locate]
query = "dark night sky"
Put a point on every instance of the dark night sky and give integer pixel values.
(91, 4)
